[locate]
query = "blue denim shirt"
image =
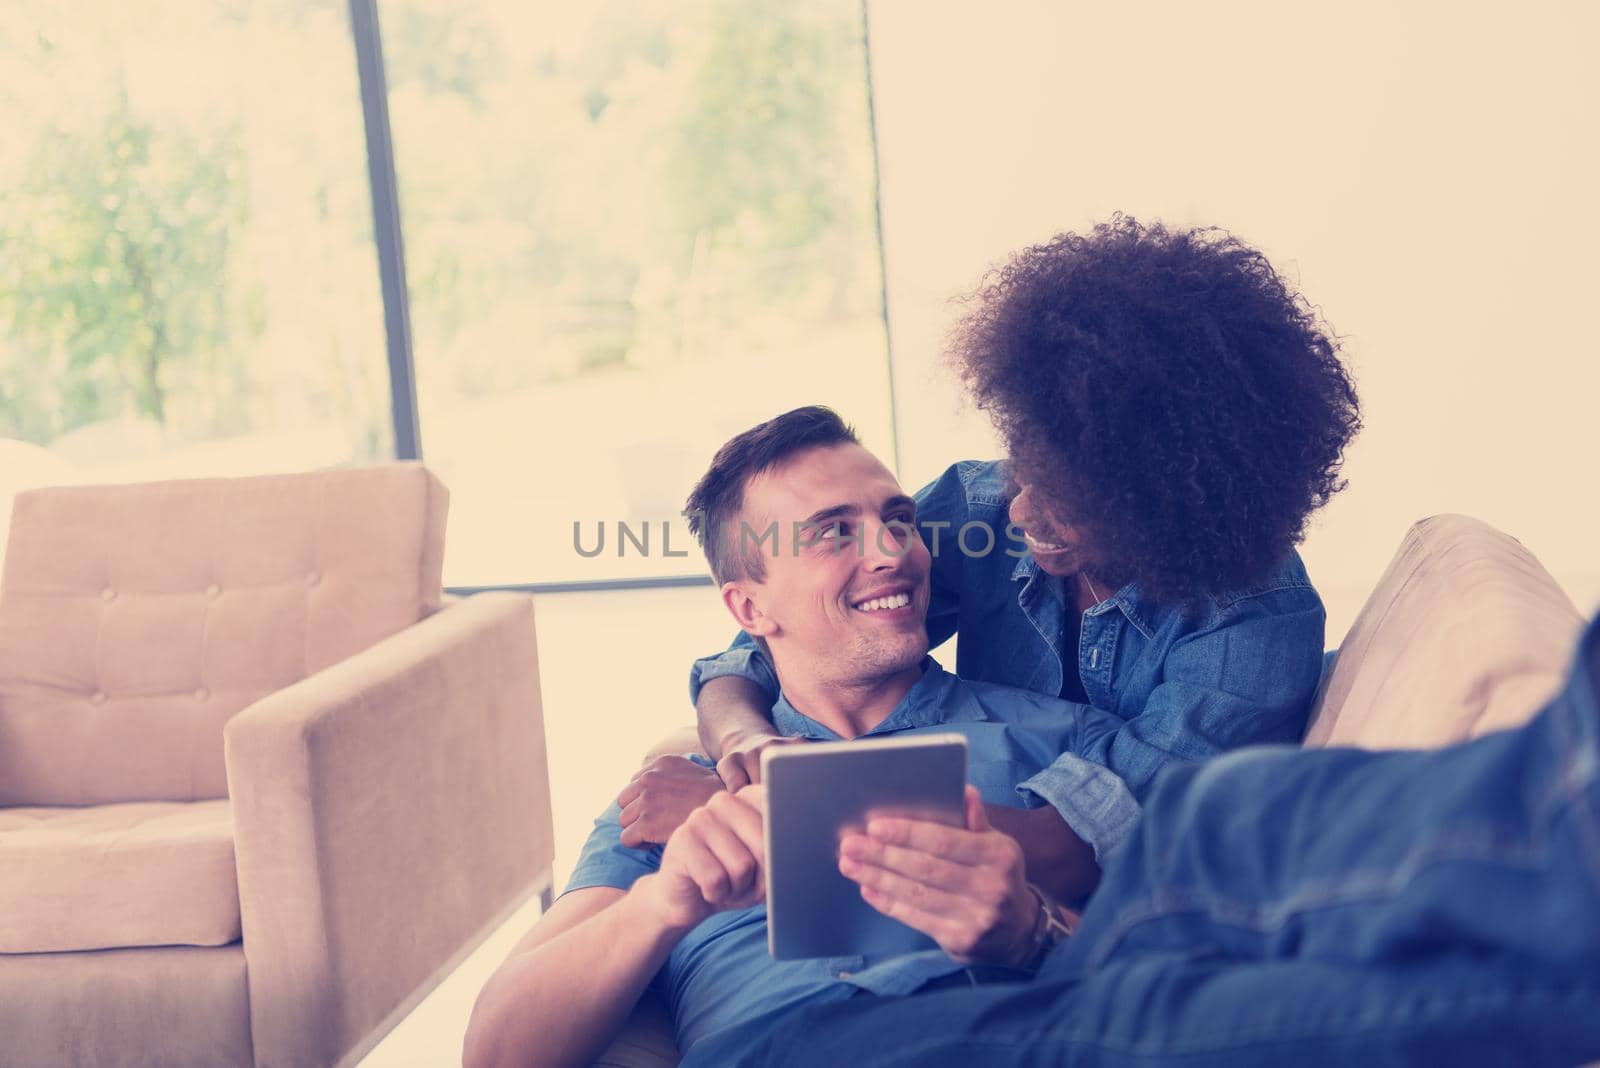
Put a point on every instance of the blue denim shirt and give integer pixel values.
(721, 974)
(1164, 685)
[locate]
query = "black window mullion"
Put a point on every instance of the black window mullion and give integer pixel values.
(386, 228)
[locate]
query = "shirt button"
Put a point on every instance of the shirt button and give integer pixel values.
(201, 694)
(97, 698)
(845, 975)
(108, 594)
(313, 578)
(213, 591)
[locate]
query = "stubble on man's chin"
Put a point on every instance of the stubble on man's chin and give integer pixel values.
(877, 662)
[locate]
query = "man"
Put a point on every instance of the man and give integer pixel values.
(838, 605)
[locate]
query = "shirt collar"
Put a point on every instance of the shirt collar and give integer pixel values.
(1129, 600)
(922, 706)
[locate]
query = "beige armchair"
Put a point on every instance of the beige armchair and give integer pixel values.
(259, 791)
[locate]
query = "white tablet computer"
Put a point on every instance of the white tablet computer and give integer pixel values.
(814, 793)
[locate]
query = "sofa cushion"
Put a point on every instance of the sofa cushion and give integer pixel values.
(136, 620)
(645, 1039)
(139, 874)
(1465, 633)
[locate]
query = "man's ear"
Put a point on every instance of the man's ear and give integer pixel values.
(741, 598)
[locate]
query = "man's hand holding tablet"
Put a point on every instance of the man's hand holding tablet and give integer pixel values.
(967, 888)
(881, 847)
(714, 861)
(858, 847)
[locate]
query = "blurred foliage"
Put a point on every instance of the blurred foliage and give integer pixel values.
(641, 182)
(631, 183)
(118, 245)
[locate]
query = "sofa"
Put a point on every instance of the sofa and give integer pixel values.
(261, 785)
(1464, 634)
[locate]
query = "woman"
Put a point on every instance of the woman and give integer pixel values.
(1173, 413)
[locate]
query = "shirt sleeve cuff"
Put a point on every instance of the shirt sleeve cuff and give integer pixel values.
(745, 663)
(1094, 801)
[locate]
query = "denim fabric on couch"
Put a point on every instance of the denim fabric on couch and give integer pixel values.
(1465, 633)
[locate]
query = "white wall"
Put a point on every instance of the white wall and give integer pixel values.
(1426, 170)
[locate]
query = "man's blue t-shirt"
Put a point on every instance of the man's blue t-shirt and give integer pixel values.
(721, 973)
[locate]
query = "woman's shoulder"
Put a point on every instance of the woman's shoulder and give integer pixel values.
(978, 488)
(1287, 577)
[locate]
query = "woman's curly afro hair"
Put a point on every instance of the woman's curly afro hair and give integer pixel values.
(1166, 394)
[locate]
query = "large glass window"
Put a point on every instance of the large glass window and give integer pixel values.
(632, 228)
(187, 277)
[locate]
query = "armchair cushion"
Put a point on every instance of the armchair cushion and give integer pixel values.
(141, 874)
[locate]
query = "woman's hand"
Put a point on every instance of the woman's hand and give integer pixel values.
(660, 797)
(740, 765)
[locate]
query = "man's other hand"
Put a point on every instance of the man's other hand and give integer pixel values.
(966, 889)
(660, 797)
(715, 861)
(740, 765)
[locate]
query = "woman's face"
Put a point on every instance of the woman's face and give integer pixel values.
(1055, 546)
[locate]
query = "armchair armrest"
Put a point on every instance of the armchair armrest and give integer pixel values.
(389, 811)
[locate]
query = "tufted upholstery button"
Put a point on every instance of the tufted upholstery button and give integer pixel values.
(212, 591)
(108, 594)
(97, 698)
(313, 578)
(201, 694)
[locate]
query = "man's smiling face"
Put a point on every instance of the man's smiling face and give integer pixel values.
(846, 601)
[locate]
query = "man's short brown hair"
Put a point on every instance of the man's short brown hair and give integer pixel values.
(715, 502)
